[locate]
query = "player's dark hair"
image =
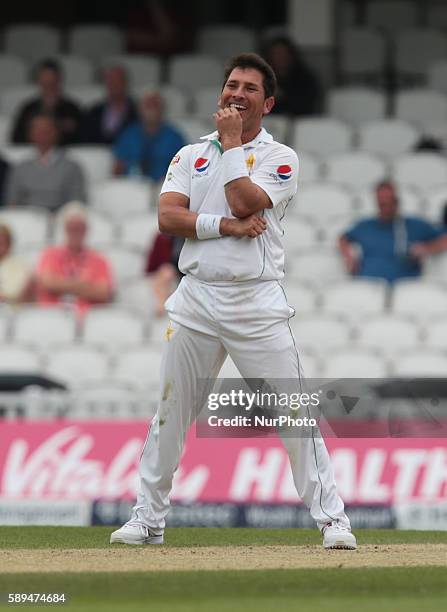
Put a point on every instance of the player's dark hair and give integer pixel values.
(49, 64)
(255, 61)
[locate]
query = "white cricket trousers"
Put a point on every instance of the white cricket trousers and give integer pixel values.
(248, 321)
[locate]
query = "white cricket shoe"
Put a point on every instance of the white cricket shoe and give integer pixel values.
(336, 535)
(135, 533)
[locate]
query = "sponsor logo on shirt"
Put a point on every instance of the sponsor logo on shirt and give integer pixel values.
(284, 172)
(175, 160)
(250, 162)
(201, 166)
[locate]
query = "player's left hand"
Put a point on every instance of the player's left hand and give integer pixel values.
(418, 250)
(228, 123)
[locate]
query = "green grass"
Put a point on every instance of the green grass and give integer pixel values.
(98, 537)
(391, 589)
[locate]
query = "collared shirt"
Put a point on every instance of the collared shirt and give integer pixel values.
(197, 172)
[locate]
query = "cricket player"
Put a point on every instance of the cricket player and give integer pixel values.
(227, 197)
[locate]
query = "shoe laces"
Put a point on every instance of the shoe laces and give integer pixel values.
(336, 525)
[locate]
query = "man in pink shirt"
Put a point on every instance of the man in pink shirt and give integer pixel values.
(72, 273)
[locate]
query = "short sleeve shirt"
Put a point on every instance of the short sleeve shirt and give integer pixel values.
(196, 171)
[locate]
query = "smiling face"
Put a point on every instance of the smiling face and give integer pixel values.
(244, 90)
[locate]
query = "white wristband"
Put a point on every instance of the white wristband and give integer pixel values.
(234, 165)
(207, 226)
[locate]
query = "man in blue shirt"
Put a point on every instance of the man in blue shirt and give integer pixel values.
(390, 246)
(147, 146)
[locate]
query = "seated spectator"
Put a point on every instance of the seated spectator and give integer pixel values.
(392, 246)
(106, 120)
(299, 91)
(49, 179)
(147, 146)
(4, 169)
(50, 101)
(72, 273)
(162, 268)
(15, 275)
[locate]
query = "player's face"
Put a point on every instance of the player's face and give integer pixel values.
(244, 90)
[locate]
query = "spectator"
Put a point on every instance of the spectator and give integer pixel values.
(4, 169)
(49, 179)
(72, 273)
(107, 119)
(15, 276)
(162, 268)
(391, 246)
(298, 88)
(147, 146)
(52, 102)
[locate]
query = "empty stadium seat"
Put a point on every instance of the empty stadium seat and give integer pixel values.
(205, 101)
(187, 72)
(112, 328)
(354, 363)
(428, 363)
(94, 41)
(437, 76)
(435, 268)
(321, 136)
(140, 366)
(355, 299)
(309, 167)
(225, 40)
(13, 72)
(5, 130)
(331, 232)
(137, 294)
(77, 71)
(19, 359)
(391, 334)
(420, 106)
(125, 263)
(32, 42)
(193, 129)
(318, 267)
(436, 334)
(320, 333)
(142, 70)
(302, 298)
(14, 97)
(356, 169)
(410, 201)
(322, 202)
(387, 138)
(109, 399)
(424, 170)
(419, 299)
(17, 153)
(299, 234)
(6, 314)
(74, 364)
(355, 105)
(362, 53)
(176, 101)
(29, 226)
(391, 16)
(139, 230)
(278, 126)
(86, 95)
(121, 197)
(416, 49)
(96, 162)
(44, 326)
(435, 202)
(101, 229)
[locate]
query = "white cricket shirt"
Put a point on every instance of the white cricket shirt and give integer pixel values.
(196, 172)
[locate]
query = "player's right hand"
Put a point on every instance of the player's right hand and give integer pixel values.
(251, 226)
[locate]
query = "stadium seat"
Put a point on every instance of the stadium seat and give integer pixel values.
(138, 231)
(95, 41)
(355, 169)
(322, 202)
(318, 267)
(31, 255)
(13, 72)
(356, 105)
(320, 333)
(13, 98)
(19, 359)
(437, 76)
(121, 197)
(416, 49)
(302, 298)
(77, 71)
(278, 126)
(87, 95)
(419, 299)
(125, 263)
(435, 336)
(205, 102)
(29, 226)
(193, 129)
(321, 136)
(136, 294)
(391, 16)
(420, 106)
(435, 202)
(101, 230)
(141, 367)
(17, 153)
(299, 234)
(362, 54)
(410, 201)
(424, 170)
(112, 328)
(188, 72)
(44, 326)
(5, 130)
(96, 162)
(354, 363)
(391, 334)
(309, 168)
(355, 299)
(32, 42)
(142, 70)
(435, 268)
(75, 363)
(428, 364)
(225, 40)
(176, 101)
(387, 138)
(108, 399)
(331, 232)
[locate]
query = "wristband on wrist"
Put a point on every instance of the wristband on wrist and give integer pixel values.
(207, 226)
(234, 165)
